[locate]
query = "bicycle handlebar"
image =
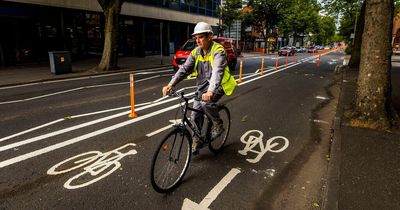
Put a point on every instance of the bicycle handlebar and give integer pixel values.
(196, 96)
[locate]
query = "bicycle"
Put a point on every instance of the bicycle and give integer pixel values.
(172, 157)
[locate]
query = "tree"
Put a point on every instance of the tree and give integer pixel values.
(300, 19)
(356, 47)
(352, 17)
(111, 10)
(326, 30)
(373, 104)
(267, 14)
(228, 13)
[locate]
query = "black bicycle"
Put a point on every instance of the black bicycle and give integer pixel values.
(172, 157)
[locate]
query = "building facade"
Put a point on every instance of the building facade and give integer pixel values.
(32, 28)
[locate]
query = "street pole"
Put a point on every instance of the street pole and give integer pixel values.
(161, 48)
(355, 26)
(237, 34)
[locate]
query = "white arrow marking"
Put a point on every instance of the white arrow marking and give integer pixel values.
(212, 195)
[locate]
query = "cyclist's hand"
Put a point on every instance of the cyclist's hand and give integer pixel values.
(166, 89)
(207, 96)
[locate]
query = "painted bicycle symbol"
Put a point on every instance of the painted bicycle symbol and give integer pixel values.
(253, 138)
(97, 165)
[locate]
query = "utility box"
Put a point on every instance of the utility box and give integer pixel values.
(60, 62)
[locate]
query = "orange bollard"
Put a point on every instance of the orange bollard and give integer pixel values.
(133, 114)
(319, 60)
(287, 59)
(294, 58)
(277, 62)
(262, 66)
(240, 72)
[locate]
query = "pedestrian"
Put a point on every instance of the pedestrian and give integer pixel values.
(208, 63)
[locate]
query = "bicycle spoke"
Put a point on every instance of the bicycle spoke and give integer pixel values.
(168, 166)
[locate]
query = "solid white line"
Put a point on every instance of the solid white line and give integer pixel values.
(321, 97)
(59, 145)
(273, 72)
(159, 130)
(81, 138)
(41, 137)
(79, 78)
(42, 96)
(212, 195)
(164, 128)
(32, 129)
(76, 89)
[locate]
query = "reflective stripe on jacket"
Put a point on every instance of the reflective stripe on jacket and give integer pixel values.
(228, 82)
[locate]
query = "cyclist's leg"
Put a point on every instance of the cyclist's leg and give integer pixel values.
(211, 108)
(196, 117)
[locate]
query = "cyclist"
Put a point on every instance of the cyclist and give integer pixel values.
(208, 63)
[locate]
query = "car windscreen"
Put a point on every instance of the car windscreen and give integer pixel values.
(189, 45)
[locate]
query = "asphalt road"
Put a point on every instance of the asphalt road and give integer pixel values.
(45, 124)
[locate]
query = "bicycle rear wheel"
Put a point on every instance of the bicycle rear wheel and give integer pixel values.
(171, 161)
(216, 144)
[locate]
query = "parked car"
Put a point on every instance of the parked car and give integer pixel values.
(287, 51)
(300, 49)
(311, 50)
(182, 54)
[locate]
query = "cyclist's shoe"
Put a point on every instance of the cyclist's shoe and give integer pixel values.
(196, 145)
(217, 130)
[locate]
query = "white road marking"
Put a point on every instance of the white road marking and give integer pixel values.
(253, 141)
(174, 122)
(213, 194)
(81, 138)
(322, 98)
(75, 89)
(98, 166)
(38, 138)
(321, 121)
(89, 135)
(82, 78)
(273, 72)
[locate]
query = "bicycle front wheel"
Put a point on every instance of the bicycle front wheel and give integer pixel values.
(216, 144)
(171, 161)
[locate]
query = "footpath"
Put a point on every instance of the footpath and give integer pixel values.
(41, 72)
(364, 171)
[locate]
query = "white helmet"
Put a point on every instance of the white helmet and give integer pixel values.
(202, 27)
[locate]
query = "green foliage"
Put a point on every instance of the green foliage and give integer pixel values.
(228, 13)
(268, 13)
(300, 18)
(347, 11)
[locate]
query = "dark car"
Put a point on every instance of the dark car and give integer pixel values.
(182, 54)
(287, 51)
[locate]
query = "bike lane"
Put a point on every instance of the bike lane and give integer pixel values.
(267, 105)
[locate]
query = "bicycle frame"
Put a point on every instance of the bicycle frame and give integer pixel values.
(187, 123)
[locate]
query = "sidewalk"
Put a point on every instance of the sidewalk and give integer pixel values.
(364, 172)
(15, 75)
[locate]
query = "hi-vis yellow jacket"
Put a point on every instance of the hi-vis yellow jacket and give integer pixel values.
(228, 82)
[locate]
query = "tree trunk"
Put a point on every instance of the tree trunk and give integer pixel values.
(356, 51)
(373, 105)
(109, 59)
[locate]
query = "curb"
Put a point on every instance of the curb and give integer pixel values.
(87, 74)
(331, 194)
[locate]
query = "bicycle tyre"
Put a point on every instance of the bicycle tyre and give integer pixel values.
(178, 143)
(217, 144)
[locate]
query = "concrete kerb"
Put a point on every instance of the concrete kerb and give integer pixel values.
(331, 193)
(87, 74)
